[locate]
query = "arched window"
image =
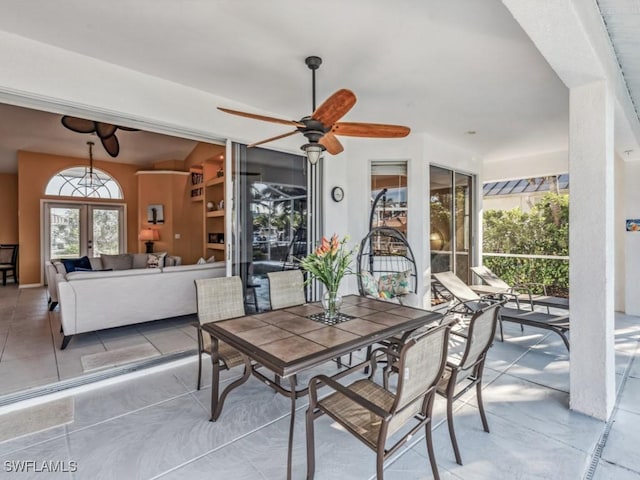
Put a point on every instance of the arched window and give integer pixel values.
(65, 184)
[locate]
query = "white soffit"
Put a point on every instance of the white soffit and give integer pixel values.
(622, 20)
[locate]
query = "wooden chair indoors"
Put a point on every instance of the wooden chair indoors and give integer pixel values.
(9, 262)
(218, 299)
(372, 413)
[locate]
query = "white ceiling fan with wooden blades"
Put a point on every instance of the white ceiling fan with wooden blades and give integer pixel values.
(322, 127)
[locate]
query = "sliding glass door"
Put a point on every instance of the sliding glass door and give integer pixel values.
(451, 207)
(270, 216)
(81, 229)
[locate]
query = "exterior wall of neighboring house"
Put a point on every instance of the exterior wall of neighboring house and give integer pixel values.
(509, 202)
(523, 201)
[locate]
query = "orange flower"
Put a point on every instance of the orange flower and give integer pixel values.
(329, 262)
(323, 249)
(334, 245)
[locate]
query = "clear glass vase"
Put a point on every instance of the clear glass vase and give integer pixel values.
(331, 303)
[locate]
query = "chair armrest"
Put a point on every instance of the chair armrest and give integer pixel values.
(363, 402)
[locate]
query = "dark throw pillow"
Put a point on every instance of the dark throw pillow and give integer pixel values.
(73, 264)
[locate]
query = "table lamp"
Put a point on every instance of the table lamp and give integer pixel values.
(150, 235)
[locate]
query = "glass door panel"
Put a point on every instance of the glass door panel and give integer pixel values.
(463, 226)
(451, 236)
(270, 216)
(106, 232)
(441, 221)
(64, 232)
(73, 230)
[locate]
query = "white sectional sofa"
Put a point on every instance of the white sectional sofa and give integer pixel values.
(94, 300)
(55, 266)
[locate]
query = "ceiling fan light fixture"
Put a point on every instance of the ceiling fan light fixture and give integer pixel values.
(90, 179)
(313, 151)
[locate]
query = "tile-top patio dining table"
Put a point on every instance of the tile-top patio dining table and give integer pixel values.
(291, 340)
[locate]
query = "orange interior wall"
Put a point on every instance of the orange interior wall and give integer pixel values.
(23, 193)
(34, 172)
(166, 189)
(9, 208)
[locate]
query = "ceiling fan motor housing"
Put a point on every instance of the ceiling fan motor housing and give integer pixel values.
(313, 130)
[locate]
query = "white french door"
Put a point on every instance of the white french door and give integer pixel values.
(82, 229)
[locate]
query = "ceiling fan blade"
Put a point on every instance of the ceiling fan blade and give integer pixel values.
(357, 129)
(331, 143)
(272, 139)
(263, 117)
(335, 107)
(111, 145)
(128, 129)
(79, 125)
(105, 130)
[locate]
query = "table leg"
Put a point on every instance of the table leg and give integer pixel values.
(217, 401)
(292, 395)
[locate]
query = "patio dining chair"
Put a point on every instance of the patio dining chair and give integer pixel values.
(464, 370)
(372, 413)
(218, 299)
(286, 288)
(521, 292)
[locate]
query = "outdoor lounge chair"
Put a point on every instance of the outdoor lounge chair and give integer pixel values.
(517, 292)
(465, 300)
(471, 301)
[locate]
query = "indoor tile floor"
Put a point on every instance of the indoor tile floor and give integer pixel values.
(30, 338)
(154, 424)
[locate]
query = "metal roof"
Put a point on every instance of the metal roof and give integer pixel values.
(523, 185)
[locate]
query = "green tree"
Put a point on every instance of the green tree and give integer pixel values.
(542, 231)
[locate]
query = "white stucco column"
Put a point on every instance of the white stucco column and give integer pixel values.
(591, 247)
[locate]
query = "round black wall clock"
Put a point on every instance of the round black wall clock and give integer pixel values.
(337, 194)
